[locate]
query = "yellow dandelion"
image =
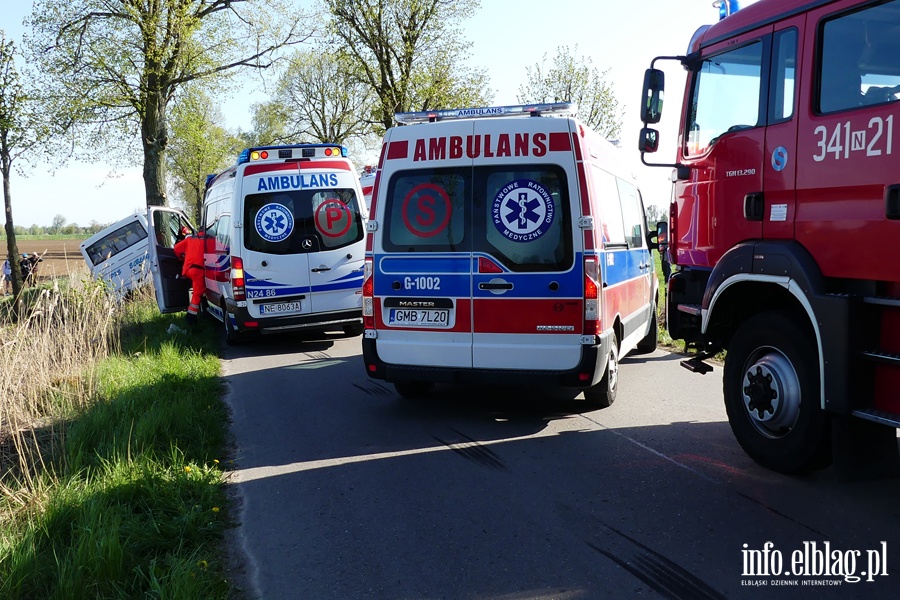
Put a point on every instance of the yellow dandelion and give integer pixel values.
(215, 509)
(202, 564)
(187, 469)
(216, 461)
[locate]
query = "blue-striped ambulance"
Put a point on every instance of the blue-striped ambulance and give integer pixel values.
(506, 245)
(284, 233)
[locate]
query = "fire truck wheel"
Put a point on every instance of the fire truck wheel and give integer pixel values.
(771, 386)
(413, 389)
(604, 393)
(648, 344)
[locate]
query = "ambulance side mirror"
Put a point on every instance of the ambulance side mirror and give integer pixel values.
(652, 100)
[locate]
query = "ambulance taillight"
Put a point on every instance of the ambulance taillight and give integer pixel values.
(368, 296)
(237, 278)
(591, 297)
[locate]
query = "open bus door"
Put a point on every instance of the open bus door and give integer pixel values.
(164, 229)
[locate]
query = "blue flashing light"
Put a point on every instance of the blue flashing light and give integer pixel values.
(727, 7)
(244, 157)
(209, 179)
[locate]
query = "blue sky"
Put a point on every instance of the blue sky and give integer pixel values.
(507, 37)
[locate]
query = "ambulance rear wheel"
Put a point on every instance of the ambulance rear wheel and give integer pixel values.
(413, 389)
(772, 394)
(603, 394)
(232, 337)
(353, 329)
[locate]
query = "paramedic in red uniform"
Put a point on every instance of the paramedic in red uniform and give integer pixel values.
(190, 250)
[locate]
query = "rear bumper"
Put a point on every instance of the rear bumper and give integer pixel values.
(587, 373)
(238, 317)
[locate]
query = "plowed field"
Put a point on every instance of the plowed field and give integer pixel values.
(61, 257)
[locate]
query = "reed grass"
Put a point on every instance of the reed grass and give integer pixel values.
(111, 427)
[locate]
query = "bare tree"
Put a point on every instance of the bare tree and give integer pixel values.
(574, 79)
(410, 54)
(118, 64)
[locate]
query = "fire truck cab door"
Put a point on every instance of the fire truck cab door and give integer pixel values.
(779, 165)
(721, 204)
(164, 229)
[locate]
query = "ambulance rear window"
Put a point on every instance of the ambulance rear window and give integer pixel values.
(426, 211)
(302, 221)
(525, 221)
(519, 215)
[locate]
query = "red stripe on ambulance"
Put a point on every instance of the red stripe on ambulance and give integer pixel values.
(507, 315)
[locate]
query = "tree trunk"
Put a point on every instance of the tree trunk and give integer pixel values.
(12, 248)
(155, 139)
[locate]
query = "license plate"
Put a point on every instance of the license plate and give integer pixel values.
(283, 308)
(410, 317)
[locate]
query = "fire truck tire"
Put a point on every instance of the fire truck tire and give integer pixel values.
(649, 342)
(413, 389)
(771, 388)
(603, 394)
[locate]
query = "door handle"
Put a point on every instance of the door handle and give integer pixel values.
(644, 266)
(495, 285)
(321, 269)
(892, 202)
(754, 206)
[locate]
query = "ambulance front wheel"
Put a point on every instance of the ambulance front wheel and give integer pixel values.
(413, 389)
(603, 394)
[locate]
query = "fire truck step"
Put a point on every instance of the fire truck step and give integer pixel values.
(696, 364)
(884, 358)
(882, 301)
(878, 416)
(691, 309)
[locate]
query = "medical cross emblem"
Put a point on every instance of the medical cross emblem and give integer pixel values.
(274, 222)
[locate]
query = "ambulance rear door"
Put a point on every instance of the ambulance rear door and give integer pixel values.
(527, 292)
(423, 263)
(275, 243)
(164, 230)
(337, 257)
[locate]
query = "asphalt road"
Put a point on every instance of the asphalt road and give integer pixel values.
(345, 490)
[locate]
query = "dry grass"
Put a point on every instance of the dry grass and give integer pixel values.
(46, 365)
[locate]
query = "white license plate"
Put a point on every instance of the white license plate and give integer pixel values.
(411, 317)
(283, 308)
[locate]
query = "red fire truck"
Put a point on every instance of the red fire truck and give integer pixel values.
(785, 220)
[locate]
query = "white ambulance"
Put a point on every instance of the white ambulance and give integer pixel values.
(118, 255)
(284, 232)
(505, 245)
(367, 182)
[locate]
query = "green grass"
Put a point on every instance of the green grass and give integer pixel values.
(132, 503)
(664, 338)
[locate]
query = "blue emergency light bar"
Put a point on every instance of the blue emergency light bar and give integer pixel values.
(292, 151)
(518, 110)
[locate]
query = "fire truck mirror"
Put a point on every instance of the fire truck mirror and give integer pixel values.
(652, 102)
(649, 141)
